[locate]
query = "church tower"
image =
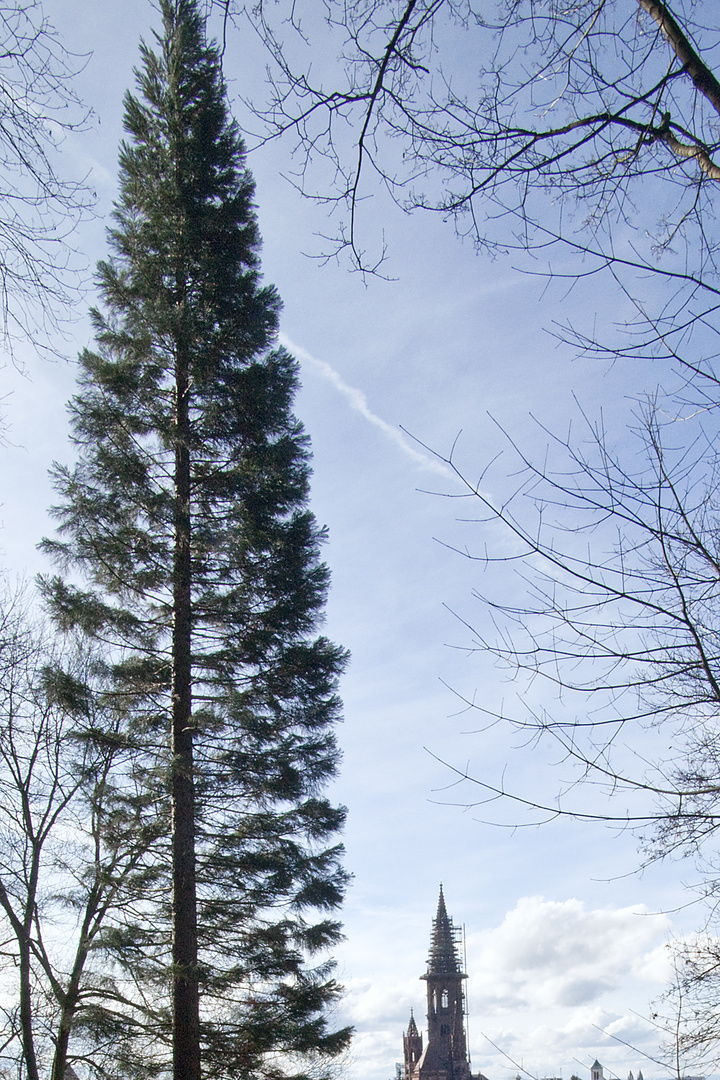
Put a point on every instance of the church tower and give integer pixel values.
(445, 1056)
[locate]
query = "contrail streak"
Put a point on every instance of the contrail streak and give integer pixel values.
(358, 402)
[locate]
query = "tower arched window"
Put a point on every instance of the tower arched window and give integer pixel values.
(444, 1001)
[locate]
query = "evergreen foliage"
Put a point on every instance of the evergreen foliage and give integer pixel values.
(195, 562)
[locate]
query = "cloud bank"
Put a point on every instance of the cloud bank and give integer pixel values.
(560, 954)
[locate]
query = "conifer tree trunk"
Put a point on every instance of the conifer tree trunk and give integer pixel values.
(185, 1000)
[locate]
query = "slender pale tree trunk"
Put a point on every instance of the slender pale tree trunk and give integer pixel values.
(72, 994)
(26, 1013)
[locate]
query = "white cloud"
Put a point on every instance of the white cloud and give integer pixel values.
(562, 954)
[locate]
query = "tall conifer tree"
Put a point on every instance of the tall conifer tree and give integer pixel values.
(186, 516)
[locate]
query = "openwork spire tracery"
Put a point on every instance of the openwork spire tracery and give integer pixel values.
(443, 958)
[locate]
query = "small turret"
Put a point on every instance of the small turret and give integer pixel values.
(412, 1047)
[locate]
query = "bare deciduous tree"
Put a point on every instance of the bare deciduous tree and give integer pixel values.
(489, 113)
(39, 203)
(74, 836)
(615, 621)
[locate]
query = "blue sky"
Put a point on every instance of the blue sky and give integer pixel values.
(565, 944)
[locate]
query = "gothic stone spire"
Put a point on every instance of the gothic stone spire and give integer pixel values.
(443, 958)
